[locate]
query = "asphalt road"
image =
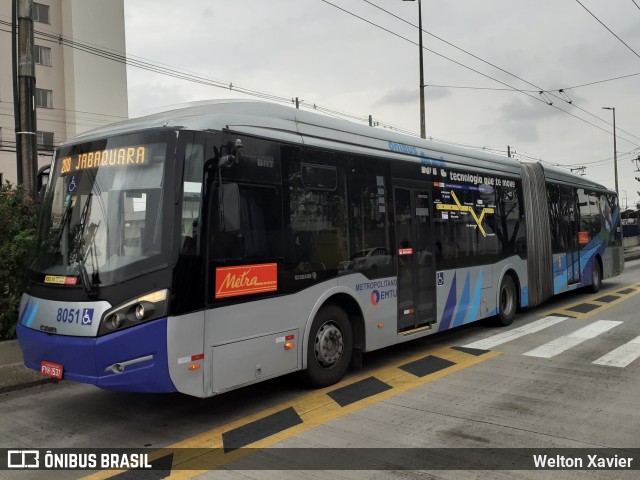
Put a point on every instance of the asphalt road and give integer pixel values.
(564, 375)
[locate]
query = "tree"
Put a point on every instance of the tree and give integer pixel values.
(17, 242)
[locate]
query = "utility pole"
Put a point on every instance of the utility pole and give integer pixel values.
(26, 136)
(615, 150)
(423, 127)
(14, 75)
(509, 151)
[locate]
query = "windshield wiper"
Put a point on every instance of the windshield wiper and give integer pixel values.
(56, 235)
(88, 287)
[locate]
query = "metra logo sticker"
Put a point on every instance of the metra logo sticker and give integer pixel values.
(246, 280)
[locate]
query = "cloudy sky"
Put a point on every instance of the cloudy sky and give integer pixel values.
(313, 50)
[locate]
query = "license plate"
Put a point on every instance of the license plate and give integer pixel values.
(51, 369)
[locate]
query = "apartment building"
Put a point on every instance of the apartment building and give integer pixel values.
(77, 88)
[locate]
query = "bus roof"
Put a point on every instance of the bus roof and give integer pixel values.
(288, 124)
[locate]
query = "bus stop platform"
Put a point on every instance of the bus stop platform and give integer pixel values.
(631, 253)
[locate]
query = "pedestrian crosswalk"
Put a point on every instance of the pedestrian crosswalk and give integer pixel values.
(499, 339)
(561, 344)
(620, 357)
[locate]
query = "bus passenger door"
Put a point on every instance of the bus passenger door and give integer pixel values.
(570, 228)
(416, 261)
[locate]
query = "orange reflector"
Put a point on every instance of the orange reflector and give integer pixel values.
(381, 325)
(288, 345)
(194, 366)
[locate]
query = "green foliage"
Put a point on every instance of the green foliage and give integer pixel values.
(17, 242)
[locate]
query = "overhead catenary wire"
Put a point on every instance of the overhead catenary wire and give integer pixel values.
(493, 65)
(156, 68)
(538, 90)
(545, 91)
(601, 81)
(610, 31)
(204, 80)
(487, 76)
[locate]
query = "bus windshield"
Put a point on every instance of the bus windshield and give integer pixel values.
(102, 216)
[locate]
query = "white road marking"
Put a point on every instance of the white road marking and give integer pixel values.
(500, 338)
(560, 344)
(621, 356)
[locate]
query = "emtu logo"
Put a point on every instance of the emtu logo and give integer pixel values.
(375, 298)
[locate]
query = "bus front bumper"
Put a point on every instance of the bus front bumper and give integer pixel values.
(133, 360)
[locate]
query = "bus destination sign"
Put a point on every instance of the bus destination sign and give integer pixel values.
(123, 156)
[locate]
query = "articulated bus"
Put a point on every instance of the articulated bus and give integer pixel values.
(219, 245)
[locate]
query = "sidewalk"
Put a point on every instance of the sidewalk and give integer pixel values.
(14, 375)
(631, 253)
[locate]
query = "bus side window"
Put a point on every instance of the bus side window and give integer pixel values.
(368, 210)
(191, 197)
(259, 236)
(317, 230)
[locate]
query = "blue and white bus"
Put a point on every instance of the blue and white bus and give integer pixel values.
(215, 246)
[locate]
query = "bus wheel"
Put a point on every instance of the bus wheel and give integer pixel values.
(507, 302)
(596, 283)
(330, 346)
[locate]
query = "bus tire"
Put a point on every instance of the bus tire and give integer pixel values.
(596, 279)
(330, 347)
(507, 301)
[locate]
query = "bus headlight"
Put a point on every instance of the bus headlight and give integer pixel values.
(138, 310)
(115, 321)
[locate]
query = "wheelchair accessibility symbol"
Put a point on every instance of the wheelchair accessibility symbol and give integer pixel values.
(87, 316)
(440, 279)
(73, 184)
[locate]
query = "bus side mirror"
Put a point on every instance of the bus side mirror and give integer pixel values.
(229, 208)
(42, 179)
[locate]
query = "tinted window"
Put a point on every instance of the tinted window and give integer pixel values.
(465, 225)
(558, 241)
(368, 209)
(317, 231)
(260, 235)
(192, 197)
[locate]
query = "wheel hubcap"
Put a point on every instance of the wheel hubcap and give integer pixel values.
(506, 300)
(329, 345)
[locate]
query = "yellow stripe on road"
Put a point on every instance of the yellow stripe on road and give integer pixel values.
(314, 409)
(593, 305)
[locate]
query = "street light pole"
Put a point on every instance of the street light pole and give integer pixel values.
(615, 150)
(423, 127)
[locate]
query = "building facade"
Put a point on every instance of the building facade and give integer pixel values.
(79, 85)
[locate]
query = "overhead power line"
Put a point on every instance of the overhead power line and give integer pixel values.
(610, 31)
(601, 81)
(147, 65)
(537, 98)
(541, 91)
(488, 62)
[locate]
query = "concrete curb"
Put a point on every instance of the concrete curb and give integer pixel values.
(13, 373)
(15, 376)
